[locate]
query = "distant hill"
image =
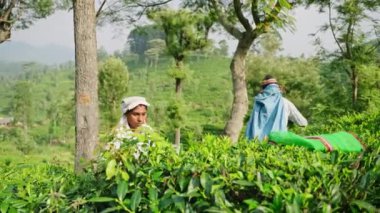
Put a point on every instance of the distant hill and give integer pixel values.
(21, 52)
(10, 68)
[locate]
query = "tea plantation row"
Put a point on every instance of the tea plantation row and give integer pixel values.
(210, 175)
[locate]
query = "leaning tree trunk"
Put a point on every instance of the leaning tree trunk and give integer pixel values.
(240, 103)
(86, 82)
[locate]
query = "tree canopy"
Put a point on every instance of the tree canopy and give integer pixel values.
(21, 14)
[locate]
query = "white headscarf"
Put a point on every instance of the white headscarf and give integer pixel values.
(128, 104)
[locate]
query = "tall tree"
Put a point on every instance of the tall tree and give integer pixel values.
(86, 82)
(246, 21)
(184, 31)
(139, 39)
(156, 48)
(345, 23)
(21, 14)
(113, 84)
(22, 106)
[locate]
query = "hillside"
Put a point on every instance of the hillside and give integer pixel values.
(207, 103)
(22, 52)
(207, 91)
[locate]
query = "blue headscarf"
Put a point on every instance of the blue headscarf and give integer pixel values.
(268, 113)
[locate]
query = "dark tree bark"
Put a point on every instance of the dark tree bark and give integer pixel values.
(6, 8)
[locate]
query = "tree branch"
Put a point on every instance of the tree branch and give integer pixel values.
(5, 21)
(332, 30)
(8, 11)
(255, 12)
(228, 26)
(374, 47)
(237, 7)
(100, 9)
(153, 4)
(349, 40)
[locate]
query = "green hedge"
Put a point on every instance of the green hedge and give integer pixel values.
(211, 175)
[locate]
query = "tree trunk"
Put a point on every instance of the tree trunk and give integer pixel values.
(5, 33)
(178, 91)
(240, 102)
(355, 85)
(6, 20)
(86, 82)
(177, 139)
(178, 86)
(25, 128)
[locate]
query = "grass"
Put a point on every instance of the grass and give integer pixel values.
(207, 93)
(58, 155)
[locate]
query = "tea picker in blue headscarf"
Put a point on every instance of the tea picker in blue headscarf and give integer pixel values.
(271, 111)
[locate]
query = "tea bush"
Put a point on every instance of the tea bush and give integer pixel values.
(211, 175)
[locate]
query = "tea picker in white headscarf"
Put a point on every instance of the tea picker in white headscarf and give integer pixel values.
(134, 115)
(134, 112)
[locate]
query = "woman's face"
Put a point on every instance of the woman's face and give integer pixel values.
(137, 116)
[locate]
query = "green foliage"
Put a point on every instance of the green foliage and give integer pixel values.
(354, 46)
(210, 174)
(337, 83)
(206, 103)
(22, 102)
(113, 85)
(25, 12)
(45, 100)
(182, 72)
(102, 54)
(43, 8)
(364, 124)
(156, 48)
(176, 113)
(184, 30)
(369, 97)
(43, 188)
(139, 39)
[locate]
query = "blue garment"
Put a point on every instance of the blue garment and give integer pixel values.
(268, 113)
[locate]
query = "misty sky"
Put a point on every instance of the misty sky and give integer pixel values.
(58, 29)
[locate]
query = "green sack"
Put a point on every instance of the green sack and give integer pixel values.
(342, 141)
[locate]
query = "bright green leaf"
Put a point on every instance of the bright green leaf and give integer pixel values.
(135, 200)
(244, 183)
(101, 199)
(4, 207)
(285, 3)
(364, 205)
(111, 169)
(122, 189)
(206, 182)
(153, 194)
